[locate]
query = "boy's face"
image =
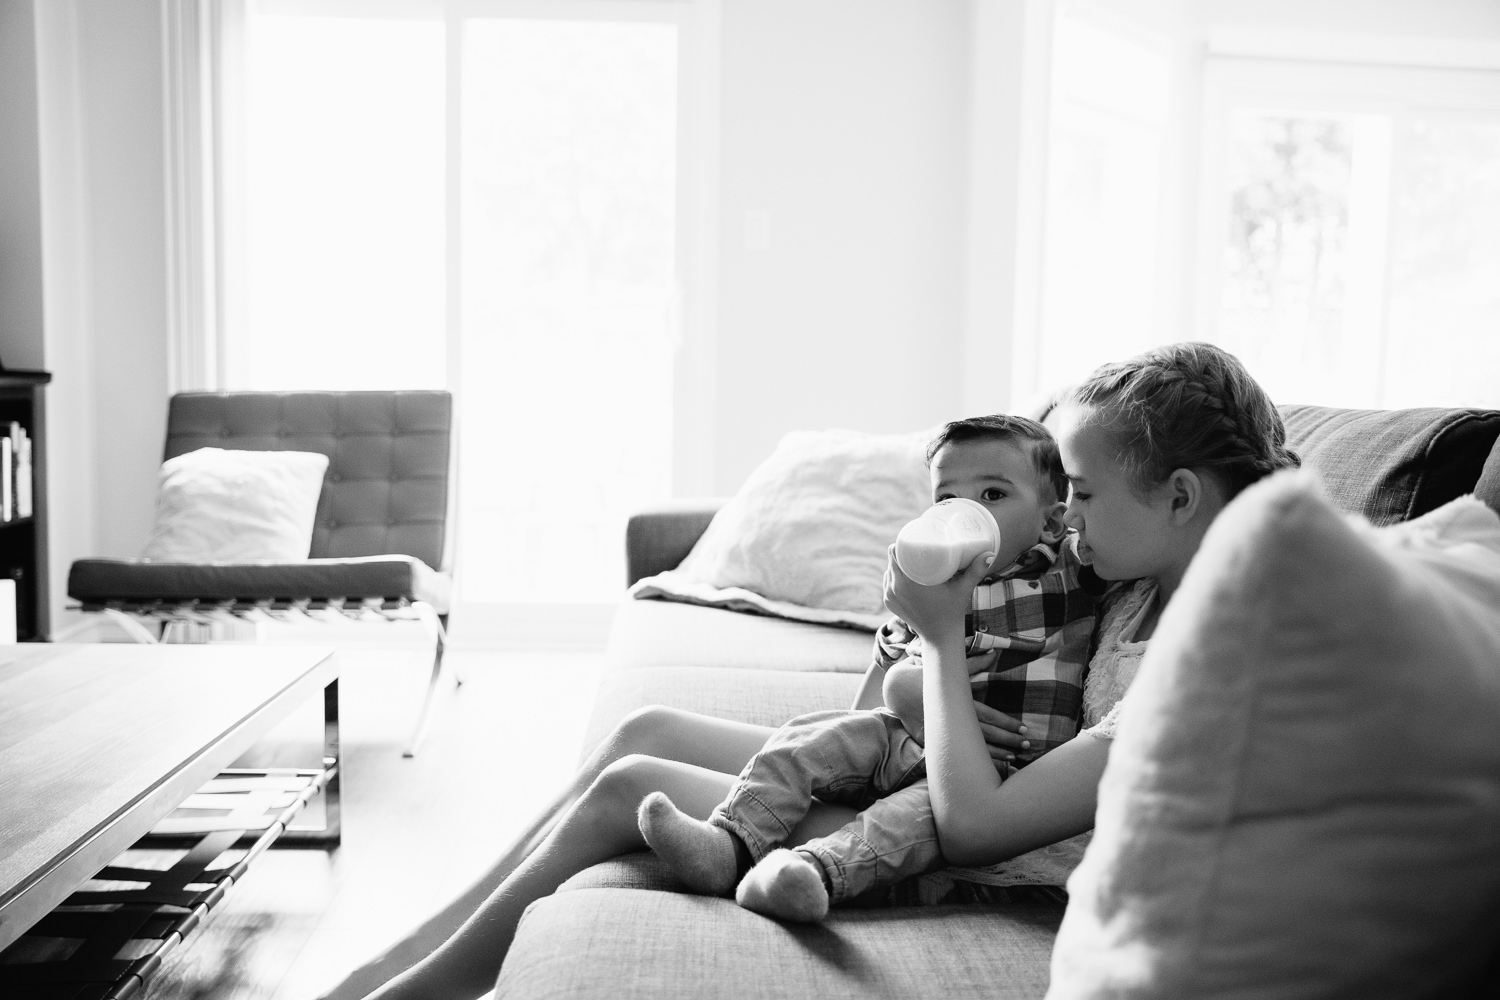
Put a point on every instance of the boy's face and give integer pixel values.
(1001, 476)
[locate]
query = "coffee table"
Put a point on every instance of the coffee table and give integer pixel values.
(98, 743)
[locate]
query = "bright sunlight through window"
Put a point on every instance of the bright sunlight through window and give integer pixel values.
(488, 204)
(1362, 256)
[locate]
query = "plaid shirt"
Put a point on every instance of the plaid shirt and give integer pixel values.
(1039, 619)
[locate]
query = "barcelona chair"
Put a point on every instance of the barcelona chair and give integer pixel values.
(381, 543)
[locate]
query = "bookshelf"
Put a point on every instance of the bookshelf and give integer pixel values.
(23, 536)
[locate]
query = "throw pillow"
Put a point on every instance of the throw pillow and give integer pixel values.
(807, 534)
(217, 505)
(1304, 796)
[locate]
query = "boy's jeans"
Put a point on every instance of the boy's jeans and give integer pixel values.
(863, 759)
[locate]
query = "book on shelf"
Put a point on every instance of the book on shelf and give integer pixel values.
(15, 473)
(23, 476)
(7, 479)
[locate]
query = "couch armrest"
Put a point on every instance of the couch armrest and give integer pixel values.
(658, 538)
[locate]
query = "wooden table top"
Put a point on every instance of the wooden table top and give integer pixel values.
(99, 742)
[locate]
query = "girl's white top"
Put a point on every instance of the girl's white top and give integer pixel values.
(1116, 659)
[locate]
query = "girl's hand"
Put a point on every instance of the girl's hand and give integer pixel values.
(1002, 734)
(935, 612)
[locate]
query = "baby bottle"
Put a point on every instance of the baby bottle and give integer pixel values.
(944, 539)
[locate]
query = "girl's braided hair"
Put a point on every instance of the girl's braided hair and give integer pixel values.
(1186, 406)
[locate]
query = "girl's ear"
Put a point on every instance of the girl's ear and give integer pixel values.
(1185, 492)
(1053, 529)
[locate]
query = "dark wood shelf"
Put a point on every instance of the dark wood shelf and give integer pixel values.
(23, 540)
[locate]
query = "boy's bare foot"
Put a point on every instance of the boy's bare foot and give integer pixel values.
(701, 853)
(785, 885)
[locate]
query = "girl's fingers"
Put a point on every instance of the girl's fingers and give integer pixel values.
(1003, 738)
(976, 570)
(994, 717)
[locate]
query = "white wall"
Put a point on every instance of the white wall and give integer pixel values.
(844, 122)
(100, 142)
(20, 191)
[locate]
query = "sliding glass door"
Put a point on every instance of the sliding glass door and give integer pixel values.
(487, 197)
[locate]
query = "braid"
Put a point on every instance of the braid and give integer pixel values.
(1190, 405)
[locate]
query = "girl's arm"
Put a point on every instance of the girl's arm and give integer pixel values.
(979, 819)
(870, 694)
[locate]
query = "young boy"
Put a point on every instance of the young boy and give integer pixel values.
(1029, 629)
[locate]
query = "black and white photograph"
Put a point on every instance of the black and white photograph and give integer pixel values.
(749, 499)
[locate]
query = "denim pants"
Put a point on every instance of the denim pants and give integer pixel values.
(863, 759)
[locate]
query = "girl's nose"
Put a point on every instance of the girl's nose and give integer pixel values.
(1071, 518)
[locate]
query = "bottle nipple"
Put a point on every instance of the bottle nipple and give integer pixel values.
(934, 546)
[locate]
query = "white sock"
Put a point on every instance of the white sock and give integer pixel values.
(786, 885)
(701, 853)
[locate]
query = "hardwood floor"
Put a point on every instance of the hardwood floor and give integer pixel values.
(416, 830)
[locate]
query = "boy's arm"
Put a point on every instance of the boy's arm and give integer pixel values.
(891, 641)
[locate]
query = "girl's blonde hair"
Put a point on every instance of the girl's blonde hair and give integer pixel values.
(1185, 406)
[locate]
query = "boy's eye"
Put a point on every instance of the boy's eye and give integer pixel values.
(941, 497)
(993, 495)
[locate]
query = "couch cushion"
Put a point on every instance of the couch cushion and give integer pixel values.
(639, 870)
(760, 697)
(135, 581)
(651, 633)
(663, 945)
(1393, 465)
(1304, 796)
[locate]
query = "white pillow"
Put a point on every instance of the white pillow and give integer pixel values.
(215, 505)
(1304, 796)
(806, 536)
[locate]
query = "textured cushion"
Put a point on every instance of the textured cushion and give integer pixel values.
(1304, 796)
(667, 634)
(131, 581)
(664, 945)
(221, 505)
(638, 870)
(1393, 465)
(806, 536)
(389, 459)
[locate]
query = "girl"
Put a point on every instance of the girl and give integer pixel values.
(1154, 447)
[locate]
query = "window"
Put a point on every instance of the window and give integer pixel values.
(1107, 126)
(483, 196)
(1352, 227)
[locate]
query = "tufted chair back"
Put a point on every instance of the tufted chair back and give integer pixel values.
(388, 486)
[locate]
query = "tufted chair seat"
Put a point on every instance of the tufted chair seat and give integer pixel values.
(381, 540)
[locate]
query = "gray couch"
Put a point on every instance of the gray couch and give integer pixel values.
(621, 930)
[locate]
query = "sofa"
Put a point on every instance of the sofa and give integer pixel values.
(623, 928)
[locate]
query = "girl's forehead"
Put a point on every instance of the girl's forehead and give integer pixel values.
(1082, 441)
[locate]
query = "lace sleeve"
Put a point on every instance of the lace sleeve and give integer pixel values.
(1104, 729)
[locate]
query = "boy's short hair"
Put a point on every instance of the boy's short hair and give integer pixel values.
(1031, 436)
